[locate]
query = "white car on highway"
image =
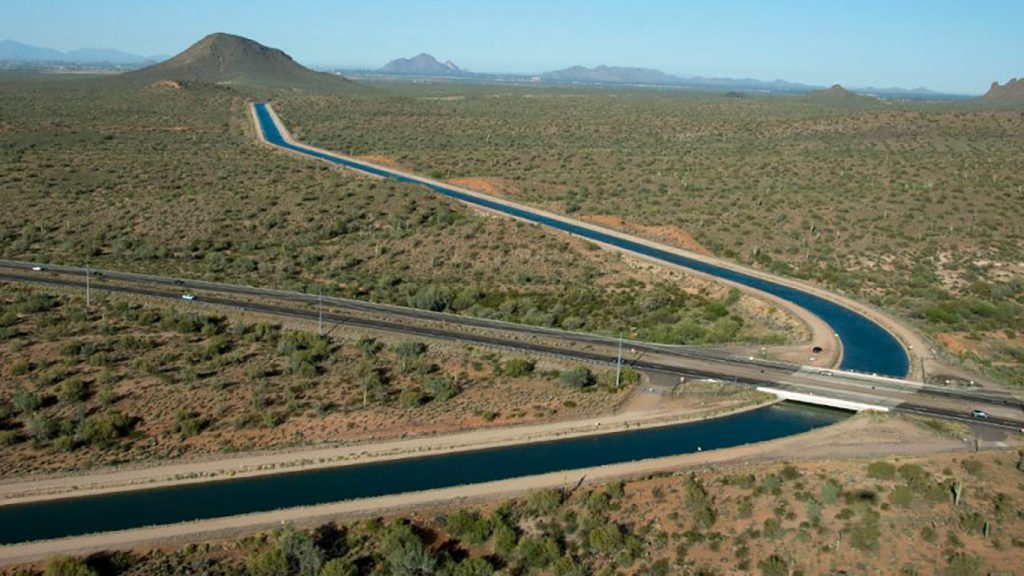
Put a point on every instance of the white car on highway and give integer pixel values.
(190, 297)
(37, 268)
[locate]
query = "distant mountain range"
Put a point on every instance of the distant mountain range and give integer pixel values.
(229, 60)
(423, 65)
(653, 77)
(17, 52)
(426, 65)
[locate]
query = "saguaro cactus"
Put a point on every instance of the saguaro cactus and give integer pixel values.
(958, 490)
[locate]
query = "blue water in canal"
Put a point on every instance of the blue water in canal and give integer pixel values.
(867, 347)
(22, 523)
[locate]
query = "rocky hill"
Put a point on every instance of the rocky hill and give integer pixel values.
(1012, 91)
(836, 94)
(229, 60)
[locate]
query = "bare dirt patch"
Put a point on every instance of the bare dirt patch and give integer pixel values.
(382, 160)
(672, 235)
(495, 186)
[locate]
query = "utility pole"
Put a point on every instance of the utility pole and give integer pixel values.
(618, 364)
(320, 313)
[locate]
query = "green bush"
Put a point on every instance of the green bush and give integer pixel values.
(830, 492)
(72, 391)
(774, 565)
(518, 367)
(790, 473)
(105, 428)
(915, 476)
(269, 563)
(339, 567)
(698, 503)
(973, 467)
(902, 496)
(411, 398)
(67, 566)
(881, 470)
(544, 502)
(469, 527)
(580, 377)
(865, 533)
(443, 388)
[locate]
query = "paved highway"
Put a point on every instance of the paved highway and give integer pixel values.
(677, 362)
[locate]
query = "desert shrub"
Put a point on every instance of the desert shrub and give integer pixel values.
(772, 484)
(830, 492)
(543, 502)
(409, 354)
(105, 428)
(473, 566)
(902, 496)
(698, 503)
(915, 476)
(404, 552)
(973, 467)
(538, 552)
(339, 567)
(67, 566)
(505, 539)
(774, 565)
(518, 367)
(965, 565)
(73, 390)
(443, 388)
(579, 377)
(605, 539)
(27, 402)
(813, 513)
(9, 437)
(42, 428)
(865, 532)
(269, 563)
(189, 423)
(881, 470)
(469, 527)
(411, 398)
(929, 535)
(790, 472)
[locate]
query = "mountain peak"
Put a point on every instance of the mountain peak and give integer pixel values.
(1012, 90)
(835, 93)
(221, 58)
(422, 64)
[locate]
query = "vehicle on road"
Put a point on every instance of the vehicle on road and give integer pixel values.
(37, 268)
(190, 297)
(979, 413)
(825, 373)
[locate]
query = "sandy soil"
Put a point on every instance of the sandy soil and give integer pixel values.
(495, 186)
(673, 235)
(863, 436)
(380, 160)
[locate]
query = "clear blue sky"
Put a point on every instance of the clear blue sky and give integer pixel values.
(955, 46)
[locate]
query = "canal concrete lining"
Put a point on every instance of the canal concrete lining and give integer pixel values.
(867, 345)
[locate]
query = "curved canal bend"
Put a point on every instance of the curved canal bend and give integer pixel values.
(867, 346)
(125, 510)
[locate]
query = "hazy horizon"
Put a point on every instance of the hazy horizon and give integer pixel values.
(944, 45)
